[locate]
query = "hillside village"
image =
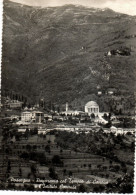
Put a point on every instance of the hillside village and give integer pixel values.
(67, 105)
(71, 120)
(33, 138)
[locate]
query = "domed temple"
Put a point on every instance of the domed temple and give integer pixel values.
(92, 107)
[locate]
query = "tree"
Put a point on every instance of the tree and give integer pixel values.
(64, 171)
(24, 155)
(42, 159)
(108, 125)
(110, 162)
(47, 148)
(20, 172)
(28, 147)
(34, 147)
(70, 173)
(58, 109)
(61, 151)
(33, 169)
(8, 166)
(56, 160)
(17, 137)
(89, 165)
(109, 116)
(93, 116)
(26, 133)
(52, 173)
(99, 166)
(82, 188)
(105, 116)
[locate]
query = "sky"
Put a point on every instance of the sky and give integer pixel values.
(123, 6)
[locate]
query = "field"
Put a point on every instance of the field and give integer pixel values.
(94, 157)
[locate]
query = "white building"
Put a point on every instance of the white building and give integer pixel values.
(35, 116)
(92, 107)
(71, 112)
(116, 131)
(26, 116)
(15, 104)
(42, 131)
(22, 130)
(109, 53)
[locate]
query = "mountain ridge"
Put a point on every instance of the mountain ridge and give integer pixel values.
(62, 52)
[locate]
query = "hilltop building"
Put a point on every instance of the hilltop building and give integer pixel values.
(92, 107)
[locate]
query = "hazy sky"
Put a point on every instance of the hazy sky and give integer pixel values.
(124, 6)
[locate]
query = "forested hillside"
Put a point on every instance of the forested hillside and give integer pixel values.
(67, 53)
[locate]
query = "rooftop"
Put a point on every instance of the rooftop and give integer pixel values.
(91, 103)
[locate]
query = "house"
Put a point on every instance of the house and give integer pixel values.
(22, 130)
(115, 122)
(117, 131)
(15, 104)
(111, 91)
(99, 92)
(42, 131)
(60, 118)
(48, 117)
(92, 107)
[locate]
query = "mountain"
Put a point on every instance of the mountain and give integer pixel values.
(60, 53)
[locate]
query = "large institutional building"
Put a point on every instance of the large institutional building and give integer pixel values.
(34, 116)
(92, 107)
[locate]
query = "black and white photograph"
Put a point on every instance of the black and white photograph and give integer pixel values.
(67, 96)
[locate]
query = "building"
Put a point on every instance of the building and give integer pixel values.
(37, 116)
(71, 112)
(15, 104)
(42, 131)
(22, 130)
(26, 116)
(32, 116)
(11, 104)
(16, 117)
(92, 107)
(116, 131)
(99, 92)
(109, 53)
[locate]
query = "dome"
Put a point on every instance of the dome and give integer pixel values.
(91, 103)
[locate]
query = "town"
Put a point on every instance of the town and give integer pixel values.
(55, 144)
(69, 120)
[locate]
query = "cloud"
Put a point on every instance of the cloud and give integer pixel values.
(123, 6)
